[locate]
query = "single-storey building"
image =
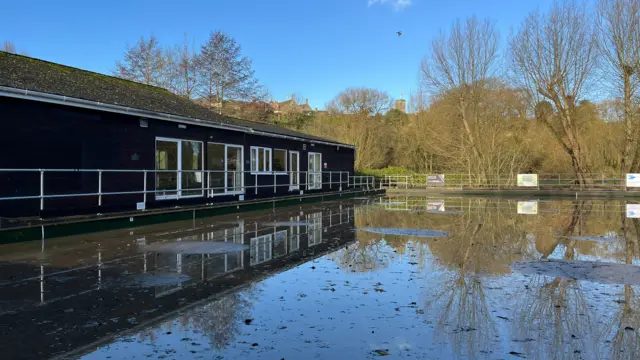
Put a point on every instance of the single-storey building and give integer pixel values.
(74, 141)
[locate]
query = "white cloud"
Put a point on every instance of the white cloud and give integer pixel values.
(398, 5)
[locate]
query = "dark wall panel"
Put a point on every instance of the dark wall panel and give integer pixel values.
(38, 135)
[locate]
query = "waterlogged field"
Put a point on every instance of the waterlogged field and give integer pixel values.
(425, 278)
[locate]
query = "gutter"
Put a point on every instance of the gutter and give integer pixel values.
(95, 105)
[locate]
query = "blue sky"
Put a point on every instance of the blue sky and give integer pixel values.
(314, 48)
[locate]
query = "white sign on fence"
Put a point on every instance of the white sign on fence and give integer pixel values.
(528, 180)
(435, 180)
(633, 211)
(633, 180)
(435, 205)
(528, 207)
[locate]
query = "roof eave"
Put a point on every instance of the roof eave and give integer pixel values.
(95, 105)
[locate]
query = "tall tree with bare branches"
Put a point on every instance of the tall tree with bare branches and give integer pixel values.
(9, 47)
(360, 101)
(181, 70)
(224, 72)
(143, 63)
(618, 23)
(553, 55)
(461, 62)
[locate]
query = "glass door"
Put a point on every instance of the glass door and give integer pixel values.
(167, 169)
(224, 163)
(235, 178)
(314, 177)
(294, 168)
(216, 168)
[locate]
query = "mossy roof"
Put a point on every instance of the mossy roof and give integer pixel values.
(22, 72)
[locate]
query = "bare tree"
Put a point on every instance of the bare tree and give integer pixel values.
(461, 62)
(618, 24)
(224, 73)
(360, 101)
(181, 70)
(553, 55)
(9, 47)
(142, 63)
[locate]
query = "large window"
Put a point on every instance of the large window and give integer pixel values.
(179, 165)
(280, 161)
(260, 160)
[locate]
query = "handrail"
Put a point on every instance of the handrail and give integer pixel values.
(296, 180)
(503, 181)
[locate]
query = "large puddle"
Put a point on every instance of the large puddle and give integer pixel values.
(355, 279)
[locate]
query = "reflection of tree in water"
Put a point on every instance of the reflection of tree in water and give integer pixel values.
(463, 314)
(364, 255)
(623, 329)
(555, 317)
(220, 320)
(481, 244)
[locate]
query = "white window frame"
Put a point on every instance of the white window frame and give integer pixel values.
(286, 162)
(179, 189)
(256, 245)
(314, 229)
(210, 192)
(316, 186)
(266, 151)
(293, 186)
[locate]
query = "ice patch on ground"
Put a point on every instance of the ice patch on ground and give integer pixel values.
(600, 272)
(593, 238)
(194, 247)
(406, 232)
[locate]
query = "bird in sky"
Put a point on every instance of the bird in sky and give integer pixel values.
(399, 33)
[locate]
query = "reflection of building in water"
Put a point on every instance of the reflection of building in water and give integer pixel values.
(261, 249)
(149, 271)
(280, 243)
(314, 229)
(294, 239)
(162, 272)
(203, 266)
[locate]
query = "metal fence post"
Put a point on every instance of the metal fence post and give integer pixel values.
(330, 180)
(255, 176)
(144, 199)
(274, 182)
(99, 187)
(41, 189)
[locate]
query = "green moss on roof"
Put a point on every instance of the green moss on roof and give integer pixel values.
(26, 73)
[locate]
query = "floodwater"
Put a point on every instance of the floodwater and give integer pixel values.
(410, 277)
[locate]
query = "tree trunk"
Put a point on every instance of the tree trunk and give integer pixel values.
(628, 129)
(580, 167)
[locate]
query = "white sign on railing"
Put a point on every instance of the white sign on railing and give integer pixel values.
(528, 180)
(633, 211)
(435, 180)
(435, 205)
(633, 180)
(528, 207)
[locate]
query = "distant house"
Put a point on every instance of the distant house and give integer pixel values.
(292, 107)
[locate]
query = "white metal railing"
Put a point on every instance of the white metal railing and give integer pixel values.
(250, 181)
(367, 182)
(506, 181)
